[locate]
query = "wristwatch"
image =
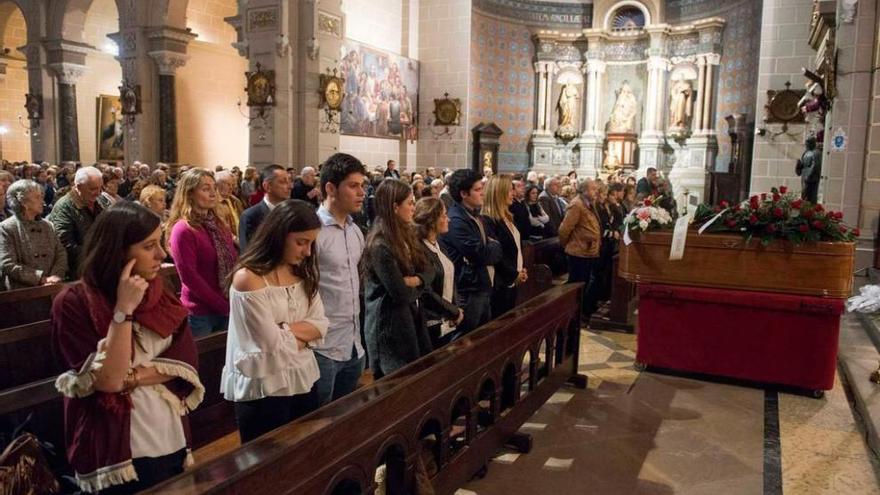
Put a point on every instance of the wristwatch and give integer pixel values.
(120, 317)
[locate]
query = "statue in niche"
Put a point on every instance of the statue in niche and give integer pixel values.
(680, 106)
(567, 106)
(623, 113)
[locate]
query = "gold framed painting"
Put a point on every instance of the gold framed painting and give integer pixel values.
(109, 133)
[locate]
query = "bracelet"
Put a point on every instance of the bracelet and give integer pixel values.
(131, 381)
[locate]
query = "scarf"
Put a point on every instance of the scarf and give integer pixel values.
(97, 424)
(225, 256)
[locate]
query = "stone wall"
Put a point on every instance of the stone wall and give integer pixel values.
(15, 143)
(784, 50)
(445, 68)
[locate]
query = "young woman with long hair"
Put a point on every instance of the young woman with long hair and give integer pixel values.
(275, 314)
(132, 361)
(203, 251)
(397, 273)
(499, 225)
(437, 301)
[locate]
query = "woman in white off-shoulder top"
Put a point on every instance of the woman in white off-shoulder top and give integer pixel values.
(275, 316)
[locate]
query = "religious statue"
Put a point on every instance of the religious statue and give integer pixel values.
(487, 160)
(809, 167)
(623, 113)
(567, 106)
(680, 106)
(611, 162)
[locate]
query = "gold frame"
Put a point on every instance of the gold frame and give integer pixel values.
(782, 106)
(447, 111)
(260, 87)
(333, 99)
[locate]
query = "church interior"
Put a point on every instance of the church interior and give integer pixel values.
(736, 349)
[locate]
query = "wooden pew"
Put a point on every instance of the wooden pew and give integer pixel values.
(470, 396)
(33, 304)
(545, 252)
(213, 419)
(25, 349)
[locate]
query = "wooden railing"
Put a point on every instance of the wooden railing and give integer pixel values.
(459, 404)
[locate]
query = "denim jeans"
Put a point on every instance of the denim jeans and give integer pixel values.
(583, 270)
(477, 309)
(207, 324)
(338, 378)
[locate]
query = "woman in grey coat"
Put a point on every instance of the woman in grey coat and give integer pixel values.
(397, 274)
(30, 252)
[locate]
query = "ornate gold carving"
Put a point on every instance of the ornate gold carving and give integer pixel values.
(260, 87)
(262, 19)
(330, 24)
(447, 111)
(332, 90)
(782, 107)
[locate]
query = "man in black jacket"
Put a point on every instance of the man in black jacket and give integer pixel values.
(391, 170)
(306, 187)
(520, 210)
(470, 250)
(276, 184)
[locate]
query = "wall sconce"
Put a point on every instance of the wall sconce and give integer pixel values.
(447, 113)
(261, 96)
(281, 45)
(129, 101)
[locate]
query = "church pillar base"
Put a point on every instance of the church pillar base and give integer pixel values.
(591, 145)
(690, 173)
(651, 152)
(542, 144)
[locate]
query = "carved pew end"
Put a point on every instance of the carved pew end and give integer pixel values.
(578, 381)
(521, 442)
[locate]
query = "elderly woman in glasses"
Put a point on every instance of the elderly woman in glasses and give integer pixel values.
(30, 252)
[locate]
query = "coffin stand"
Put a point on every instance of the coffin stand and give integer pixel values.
(740, 310)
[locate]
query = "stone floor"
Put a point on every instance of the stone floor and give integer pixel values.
(647, 433)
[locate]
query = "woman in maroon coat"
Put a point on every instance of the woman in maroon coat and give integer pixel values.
(131, 358)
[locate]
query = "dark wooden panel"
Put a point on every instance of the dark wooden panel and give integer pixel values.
(344, 441)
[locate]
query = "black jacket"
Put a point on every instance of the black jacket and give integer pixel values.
(394, 327)
(249, 221)
(301, 191)
(520, 212)
(465, 247)
(505, 270)
(433, 306)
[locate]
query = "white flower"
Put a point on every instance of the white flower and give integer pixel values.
(643, 225)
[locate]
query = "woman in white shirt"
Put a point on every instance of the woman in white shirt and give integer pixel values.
(275, 316)
(441, 315)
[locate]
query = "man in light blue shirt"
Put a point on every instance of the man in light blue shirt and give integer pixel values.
(339, 247)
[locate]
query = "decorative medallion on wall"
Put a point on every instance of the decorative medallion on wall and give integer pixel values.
(33, 103)
(260, 87)
(262, 19)
(130, 99)
(782, 107)
(447, 111)
(330, 24)
(331, 90)
(627, 18)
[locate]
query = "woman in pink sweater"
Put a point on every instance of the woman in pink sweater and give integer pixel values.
(203, 251)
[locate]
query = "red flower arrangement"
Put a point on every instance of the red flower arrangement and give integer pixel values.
(778, 215)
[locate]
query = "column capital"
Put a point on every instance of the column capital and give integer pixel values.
(166, 38)
(67, 73)
(658, 63)
(713, 58)
(540, 67)
(168, 61)
(596, 66)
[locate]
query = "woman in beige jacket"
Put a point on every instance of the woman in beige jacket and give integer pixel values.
(581, 236)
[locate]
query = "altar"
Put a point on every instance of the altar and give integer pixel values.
(626, 94)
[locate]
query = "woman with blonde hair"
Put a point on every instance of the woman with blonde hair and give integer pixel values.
(203, 251)
(153, 197)
(496, 217)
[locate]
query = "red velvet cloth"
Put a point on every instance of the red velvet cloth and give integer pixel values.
(758, 336)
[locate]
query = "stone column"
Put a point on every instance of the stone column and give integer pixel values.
(551, 70)
(167, 62)
(541, 71)
(701, 89)
(67, 75)
(652, 140)
(593, 137)
(712, 60)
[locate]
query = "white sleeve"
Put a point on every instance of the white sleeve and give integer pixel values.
(263, 347)
(315, 317)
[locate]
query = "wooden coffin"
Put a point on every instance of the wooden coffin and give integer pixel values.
(725, 261)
